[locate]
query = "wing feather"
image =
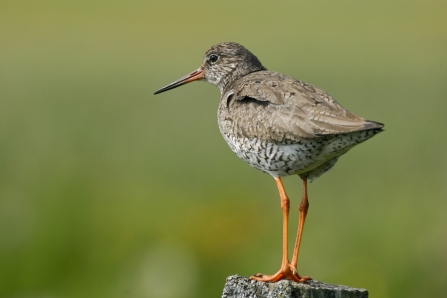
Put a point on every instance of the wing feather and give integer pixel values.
(284, 109)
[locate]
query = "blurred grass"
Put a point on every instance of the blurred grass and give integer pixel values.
(108, 191)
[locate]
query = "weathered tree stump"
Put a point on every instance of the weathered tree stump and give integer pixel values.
(242, 287)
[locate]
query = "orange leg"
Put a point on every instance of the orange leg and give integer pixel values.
(304, 206)
(286, 270)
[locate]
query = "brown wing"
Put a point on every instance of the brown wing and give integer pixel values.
(279, 108)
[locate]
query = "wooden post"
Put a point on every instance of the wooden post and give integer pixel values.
(242, 287)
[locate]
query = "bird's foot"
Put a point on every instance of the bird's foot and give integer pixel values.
(286, 272)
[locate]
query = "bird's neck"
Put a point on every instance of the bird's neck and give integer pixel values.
(235, 75)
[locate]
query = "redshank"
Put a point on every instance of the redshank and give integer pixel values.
(279, 125)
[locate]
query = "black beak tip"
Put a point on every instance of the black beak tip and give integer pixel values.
(160, 91)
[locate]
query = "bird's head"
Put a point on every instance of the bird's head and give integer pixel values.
(222, 64)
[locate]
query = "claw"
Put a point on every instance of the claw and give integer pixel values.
(286, 272)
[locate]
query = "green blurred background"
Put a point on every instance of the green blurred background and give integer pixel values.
(109, 191)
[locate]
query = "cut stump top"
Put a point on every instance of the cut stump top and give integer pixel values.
(243, 287)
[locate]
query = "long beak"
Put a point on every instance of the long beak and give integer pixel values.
(193, 76)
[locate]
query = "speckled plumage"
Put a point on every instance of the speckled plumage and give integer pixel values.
(283, 126)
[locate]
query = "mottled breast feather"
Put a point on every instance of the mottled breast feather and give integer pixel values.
(280, 109)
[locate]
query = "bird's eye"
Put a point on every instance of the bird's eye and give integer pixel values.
(213, 58)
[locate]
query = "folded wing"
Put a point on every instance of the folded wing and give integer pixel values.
(283, 109)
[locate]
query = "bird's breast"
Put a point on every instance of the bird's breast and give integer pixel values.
(287, 157)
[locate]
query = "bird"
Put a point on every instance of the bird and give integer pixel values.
(279, 125)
